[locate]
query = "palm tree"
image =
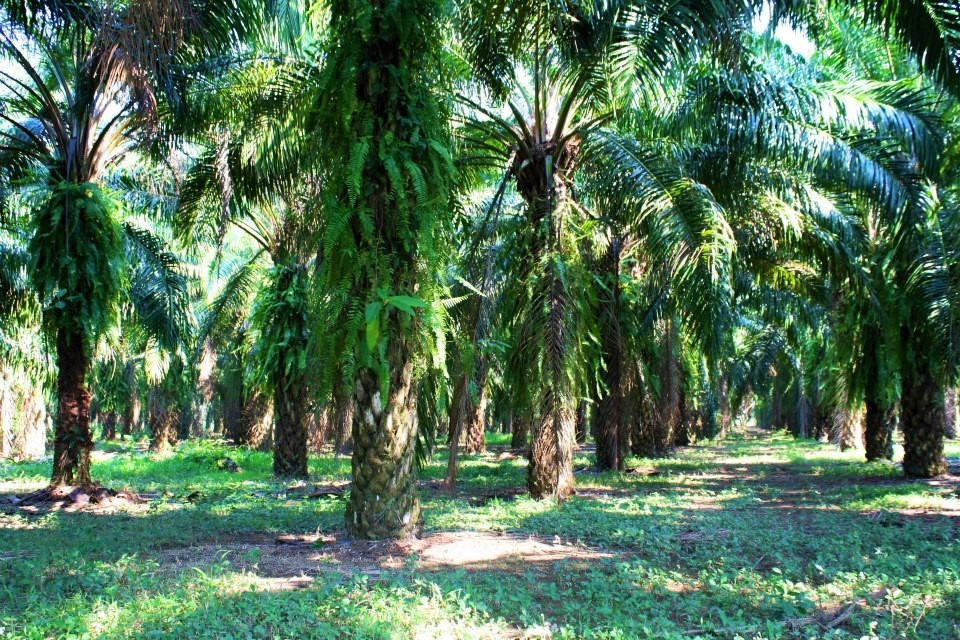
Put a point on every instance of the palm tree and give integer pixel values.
(387, 168)
(572, 172)
(88, 102)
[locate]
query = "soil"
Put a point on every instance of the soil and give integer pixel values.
(292, 562)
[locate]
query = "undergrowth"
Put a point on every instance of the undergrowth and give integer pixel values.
(753, 538)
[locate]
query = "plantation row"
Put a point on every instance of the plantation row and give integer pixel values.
(379, 226)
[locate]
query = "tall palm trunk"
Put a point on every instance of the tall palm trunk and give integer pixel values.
(519, 430)
(342, 418)
(581, 428)
(922, 421)
(291, 402)
(456, 406)
(109, 423)
(609, 417)
(669, 406)
(879, 413)
(550, 473)
(383, 499)
(290, 426)
(878, 429)
(72, 441)
(475, 419)
(249, 420)
(131, 411)
(950, 413)
(163, 418)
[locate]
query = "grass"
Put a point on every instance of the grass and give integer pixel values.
(756, 538)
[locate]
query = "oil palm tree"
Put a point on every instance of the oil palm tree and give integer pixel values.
(386, 168)
(573, 172)
(81, 88)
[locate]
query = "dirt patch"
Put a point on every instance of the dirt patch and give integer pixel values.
(92, 498)
(292, 562)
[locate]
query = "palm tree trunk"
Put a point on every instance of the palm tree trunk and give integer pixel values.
(581, 429)
(519, 430)
(550, 473)
(922, 421)
(109, 425)
(163, 418)
(290, 404)
(342, 417)
(250, 422)
(383, 499)
(131, 412)
(950, 413)
(878, 422)
(456, 407)
(72, 441)
(291, 401)
(878, 430)
(476, 414)
(609, 415)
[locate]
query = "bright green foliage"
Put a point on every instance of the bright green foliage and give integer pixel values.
(279, 317)
(76, 259)
(384, 140)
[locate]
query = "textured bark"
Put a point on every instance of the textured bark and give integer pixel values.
(847, 429)
(131, 413)
(950, 413)
(878, 432)
(252, 421)
(683, 428)
(290, 407)
(72, 440)
(879, 421)
(922, 421)
(651, 438)
(800, 416)
(456, 426)
(581, 427)
(609, 415)
(475, 418)
(319, 429)
(383, 499)
(108, 422)
(519, 430)
(823, 426)
(724, 418)
(31, 440)
(342, 418)
(550, 473)
(668, 407)
(163, 419)
(456, 407)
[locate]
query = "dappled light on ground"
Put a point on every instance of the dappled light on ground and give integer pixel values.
(761, 537)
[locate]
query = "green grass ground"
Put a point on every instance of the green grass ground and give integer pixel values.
(753, 538)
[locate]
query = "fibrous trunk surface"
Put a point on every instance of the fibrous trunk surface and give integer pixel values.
(383, 500)
(72, 441)
(921, 418)
(290, 427)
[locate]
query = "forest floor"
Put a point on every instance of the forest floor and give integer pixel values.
(757, 537)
